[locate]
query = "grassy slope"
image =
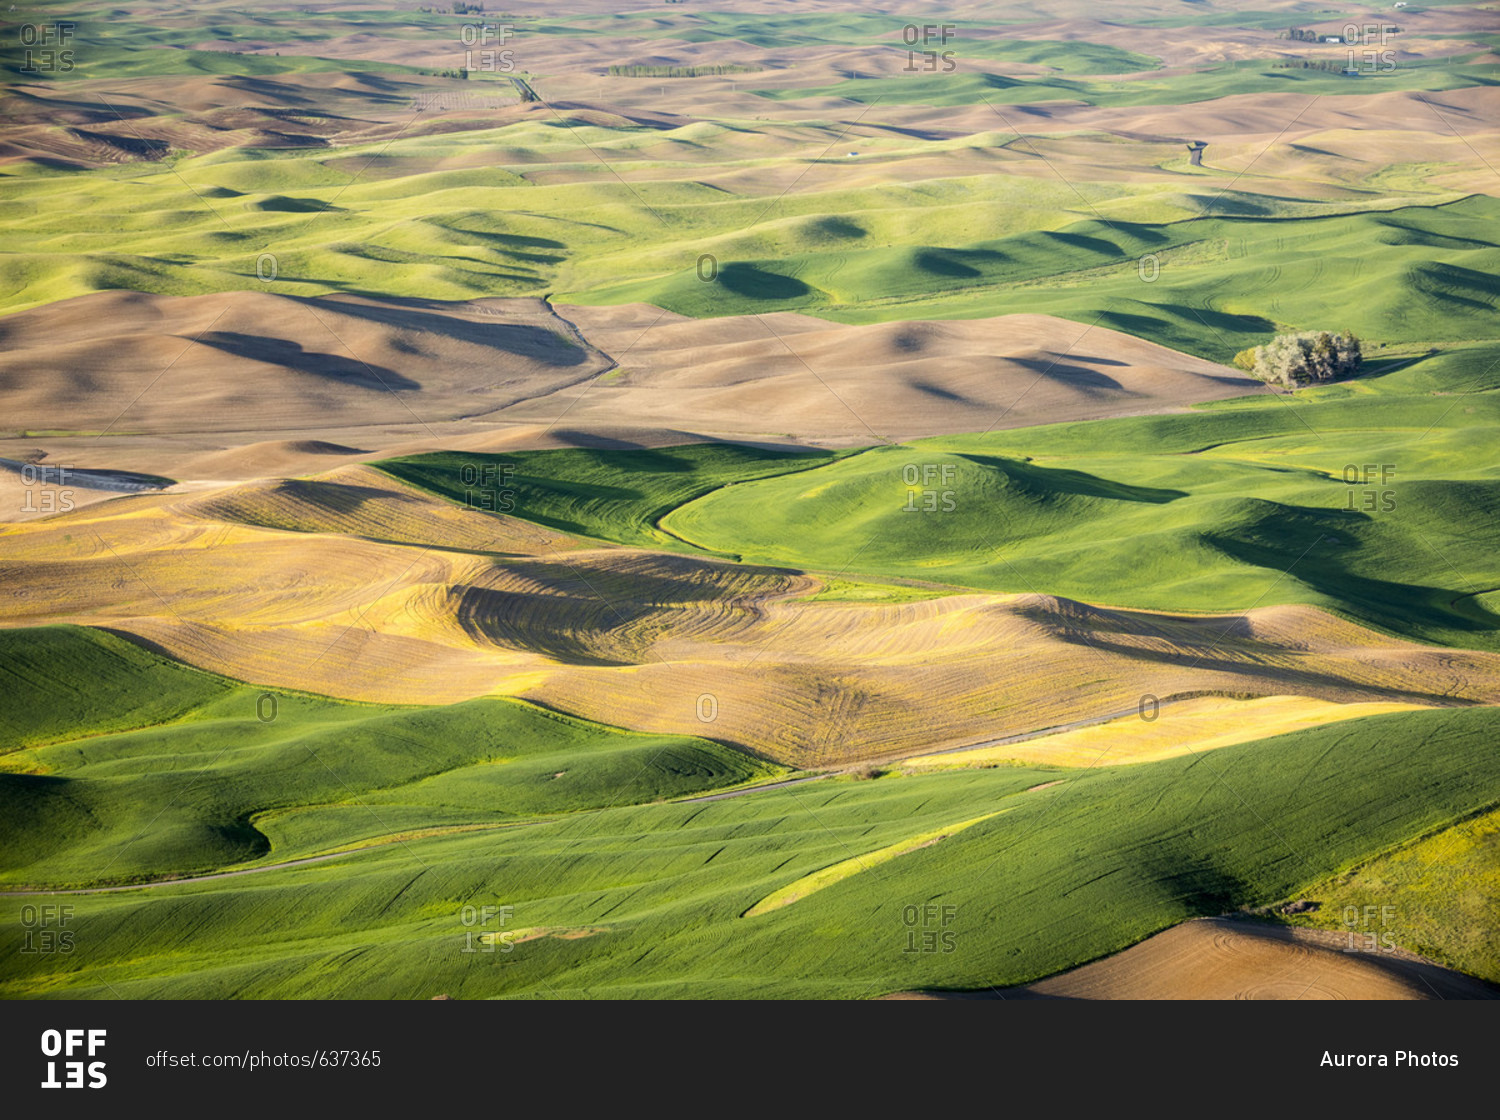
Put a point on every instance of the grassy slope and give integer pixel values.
(1151, 510)
(610, 495)
(1068, 57)
(116, 49)
(962, 88)
(63, 681)
(1067, 874)
(385, 219)
(460, 233)
(229, 781)
(1224, 283)
(1439, 896)
(1240, 505)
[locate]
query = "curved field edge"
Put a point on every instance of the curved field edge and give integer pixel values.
(838, 872)
(1437, 895)
(246, 775)
(1236, 958)
(1161, 529)
(65, 682)
(619, 496)
(1150, 512)
(955, 246)
(1175, 726)
(1071, 874)
(1233, 281)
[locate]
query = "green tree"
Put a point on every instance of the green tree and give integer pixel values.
(1351, 354)
(1294, 360)
(1325, 358)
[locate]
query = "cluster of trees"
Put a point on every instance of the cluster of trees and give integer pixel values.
(1308, 35)
(1293, 360)
(1311, 64)
(447, 74)
(678, 71)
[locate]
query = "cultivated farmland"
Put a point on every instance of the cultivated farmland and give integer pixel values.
(750, 501)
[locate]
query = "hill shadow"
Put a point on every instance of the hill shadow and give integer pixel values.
(749, 282)
(1083, 241)
(1157, 329)
(291, 355)
(1303, 541)
(1450, 282)
(1072, 374)
(40, 814)
(525, 340)
(267, 87)
(516, 246)
(957, 264)
(1079, 483)
(282, 204)
(594, 441)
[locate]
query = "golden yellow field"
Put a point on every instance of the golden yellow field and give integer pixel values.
(838, 872)
(1183, 727)
(1438, 895)
(355, 585)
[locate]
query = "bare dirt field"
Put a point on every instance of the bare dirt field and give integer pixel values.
(248, 385)
(1218, 958)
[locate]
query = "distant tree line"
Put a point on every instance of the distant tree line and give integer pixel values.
(1309, 35)
(1294, 360)
(1311, 64)
(679, 71)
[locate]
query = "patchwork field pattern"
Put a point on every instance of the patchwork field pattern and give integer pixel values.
(660, 502)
